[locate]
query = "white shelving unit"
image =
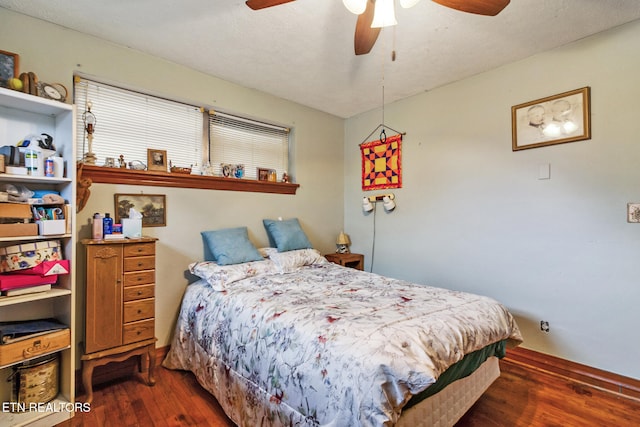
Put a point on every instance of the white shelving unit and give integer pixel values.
(21, 115)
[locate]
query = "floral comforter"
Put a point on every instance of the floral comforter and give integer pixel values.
(294, 340)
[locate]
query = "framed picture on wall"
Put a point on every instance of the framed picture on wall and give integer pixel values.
(552, 120)
(153, 208)
(8, 67)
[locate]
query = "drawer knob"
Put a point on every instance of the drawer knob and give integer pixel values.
(139, 292)
(139, 264)
(139, 311)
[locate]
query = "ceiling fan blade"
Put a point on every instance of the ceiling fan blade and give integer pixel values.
(480, 7)
(262, 4)
(365, 36)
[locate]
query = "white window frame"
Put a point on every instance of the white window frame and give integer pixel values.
(253, 144)
(198, 138)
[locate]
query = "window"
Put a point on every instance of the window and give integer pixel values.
(238, 140)
(128, 123)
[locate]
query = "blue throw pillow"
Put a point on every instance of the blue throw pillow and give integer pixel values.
(230, 246)
(286, 235)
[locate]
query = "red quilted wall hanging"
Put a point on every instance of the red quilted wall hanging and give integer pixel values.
(381, 163)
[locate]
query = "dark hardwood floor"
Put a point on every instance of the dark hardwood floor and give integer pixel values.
(520, 397)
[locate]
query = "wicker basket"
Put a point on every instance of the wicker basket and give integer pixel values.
(35, 381)
(177, 169)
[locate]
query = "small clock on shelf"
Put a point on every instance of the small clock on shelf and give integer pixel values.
(54, 91)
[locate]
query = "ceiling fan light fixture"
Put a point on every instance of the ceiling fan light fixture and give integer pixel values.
(384, 14)
(408, 3)
(356, 7)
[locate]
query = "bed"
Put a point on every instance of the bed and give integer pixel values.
(294, 340)
(282, 337)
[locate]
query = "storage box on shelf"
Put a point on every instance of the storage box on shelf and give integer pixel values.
(28, 255)
(20, 115)
(37, 346)
(14, 220)
(51, 227)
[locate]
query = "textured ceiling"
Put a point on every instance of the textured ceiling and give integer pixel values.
(303, 50)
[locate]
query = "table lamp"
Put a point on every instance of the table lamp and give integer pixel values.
(343, 242)
(89, 120)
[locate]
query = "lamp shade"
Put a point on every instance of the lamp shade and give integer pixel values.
(343, 239)
(384, 14)
(408, 3)
(355, 6)
(388, 204)
(367, 206)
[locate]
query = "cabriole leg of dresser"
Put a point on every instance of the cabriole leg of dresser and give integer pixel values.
(151, 350)
(87, 374)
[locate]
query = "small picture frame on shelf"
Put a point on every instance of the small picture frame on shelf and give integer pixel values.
(9, 67)
(263, 174)
(156, 160)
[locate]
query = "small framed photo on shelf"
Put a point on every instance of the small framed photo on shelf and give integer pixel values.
(265, 174)
(8, 67)
(156, 160)
(552, 120)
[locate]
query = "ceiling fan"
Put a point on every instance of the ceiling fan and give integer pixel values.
(366, 35)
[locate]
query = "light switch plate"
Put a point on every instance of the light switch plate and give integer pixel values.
(544, 171)
(633, 212)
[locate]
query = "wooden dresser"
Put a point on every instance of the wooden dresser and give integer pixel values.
(120, 305)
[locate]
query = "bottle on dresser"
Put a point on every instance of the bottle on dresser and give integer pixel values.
(97, 228)
(107, 224)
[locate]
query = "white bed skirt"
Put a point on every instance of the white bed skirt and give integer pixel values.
(445, 408)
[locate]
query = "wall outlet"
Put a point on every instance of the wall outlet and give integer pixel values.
(544, 326)
(633, 212)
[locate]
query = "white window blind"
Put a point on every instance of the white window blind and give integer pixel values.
(237, 140)
(129, 122)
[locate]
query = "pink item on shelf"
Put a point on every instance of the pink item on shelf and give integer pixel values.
(47, 268)
(16, 281)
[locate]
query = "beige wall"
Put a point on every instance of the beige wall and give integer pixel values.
(55, 53)
(473, 215)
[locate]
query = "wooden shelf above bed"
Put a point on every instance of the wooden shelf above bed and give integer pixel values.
(105, 175)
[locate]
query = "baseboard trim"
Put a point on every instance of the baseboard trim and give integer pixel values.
(161, 353)
(614, 383)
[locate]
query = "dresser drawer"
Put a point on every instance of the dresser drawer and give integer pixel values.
(132, 293)
(139, 277)
(138, 310)
(138, 249)
(139, 263)
(138, 331)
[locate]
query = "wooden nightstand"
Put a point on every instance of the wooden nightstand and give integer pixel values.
(347, 260)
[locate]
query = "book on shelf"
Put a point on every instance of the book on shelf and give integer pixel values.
(17, 331)
(27, 290)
